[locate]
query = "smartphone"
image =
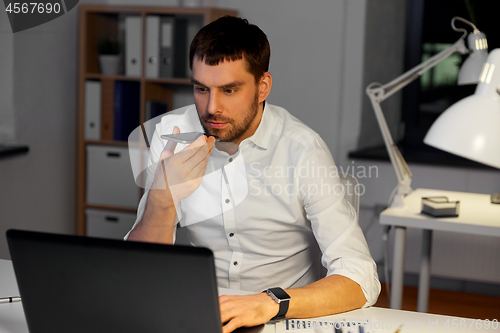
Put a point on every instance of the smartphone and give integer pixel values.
(186, 138)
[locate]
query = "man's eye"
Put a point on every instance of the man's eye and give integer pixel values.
(201, 89)
(229, 91)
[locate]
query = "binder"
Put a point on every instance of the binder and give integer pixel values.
(152, 46)
(154, 110)
(174, 47)
(194, 25)
(93, 110)
(107, 94)
(126, 109)
(167, 47)
(133, 45)
(180, 47)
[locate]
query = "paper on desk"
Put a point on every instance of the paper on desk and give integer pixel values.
(344, 324)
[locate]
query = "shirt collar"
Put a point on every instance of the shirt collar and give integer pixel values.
(262, 135)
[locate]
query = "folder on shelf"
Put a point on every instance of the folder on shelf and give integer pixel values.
(180, 47)
(126, 108)
(155, 109)
(173, 47)
(154, 112)
(152, 46)
(93, 110)
(167, 47)
(107, 100)
(194, 25)
(133, 45)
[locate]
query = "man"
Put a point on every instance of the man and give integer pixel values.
(264, 226)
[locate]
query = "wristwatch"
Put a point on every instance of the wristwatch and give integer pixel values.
(280, 297)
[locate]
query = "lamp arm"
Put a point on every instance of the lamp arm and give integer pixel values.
(385, 91)
(378, 93)
(397, 160)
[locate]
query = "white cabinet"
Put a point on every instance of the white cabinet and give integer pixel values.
(108, 224)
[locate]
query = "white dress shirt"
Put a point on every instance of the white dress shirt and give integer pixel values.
(264, 210)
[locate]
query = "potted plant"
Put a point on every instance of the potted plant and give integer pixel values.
(109, 59)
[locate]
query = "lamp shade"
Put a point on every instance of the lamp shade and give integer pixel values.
(471, 127)
(478, 52)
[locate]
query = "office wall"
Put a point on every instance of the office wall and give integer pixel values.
(7, 133)
(383, 57)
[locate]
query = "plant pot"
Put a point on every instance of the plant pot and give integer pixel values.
(109, 64)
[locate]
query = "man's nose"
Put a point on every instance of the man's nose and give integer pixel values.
(214, 103)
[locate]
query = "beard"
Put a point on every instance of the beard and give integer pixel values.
(235, 129)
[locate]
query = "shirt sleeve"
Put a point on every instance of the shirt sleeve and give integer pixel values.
(334, 221)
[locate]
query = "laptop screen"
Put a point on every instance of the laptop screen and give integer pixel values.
(82, 284)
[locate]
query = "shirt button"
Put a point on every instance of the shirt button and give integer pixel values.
(231, 235)
(227, 200)
(230, 160)
(235, 263)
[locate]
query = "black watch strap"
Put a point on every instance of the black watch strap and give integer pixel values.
(282, 298)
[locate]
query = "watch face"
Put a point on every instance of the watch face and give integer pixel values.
(279, 293)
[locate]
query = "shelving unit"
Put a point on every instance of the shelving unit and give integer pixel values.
(103, 21)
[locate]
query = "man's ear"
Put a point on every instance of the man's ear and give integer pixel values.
(265, 85)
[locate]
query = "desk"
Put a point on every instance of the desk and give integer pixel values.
(477, 216)
(12, 318)
(11, 315)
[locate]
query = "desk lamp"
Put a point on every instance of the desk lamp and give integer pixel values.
(469, 73)
(471, 127)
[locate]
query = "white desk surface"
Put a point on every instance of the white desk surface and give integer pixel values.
(477, 214)
(12, 318)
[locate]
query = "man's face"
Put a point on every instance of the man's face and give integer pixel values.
(227, 99)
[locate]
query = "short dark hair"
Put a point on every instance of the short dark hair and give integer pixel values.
(232, 38)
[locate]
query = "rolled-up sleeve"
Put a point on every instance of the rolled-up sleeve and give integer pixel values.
(335, 222)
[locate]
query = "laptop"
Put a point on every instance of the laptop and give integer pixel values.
(83, 284)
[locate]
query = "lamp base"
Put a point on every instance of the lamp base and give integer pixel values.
(495, 198)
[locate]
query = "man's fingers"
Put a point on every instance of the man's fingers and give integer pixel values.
(199, 158)
(187, 166)
(211, 144)
(231, 319)
(231, 326)
(190, 150)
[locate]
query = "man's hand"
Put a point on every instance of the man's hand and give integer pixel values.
(327, 296)
(246, 311)
(178, 175)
